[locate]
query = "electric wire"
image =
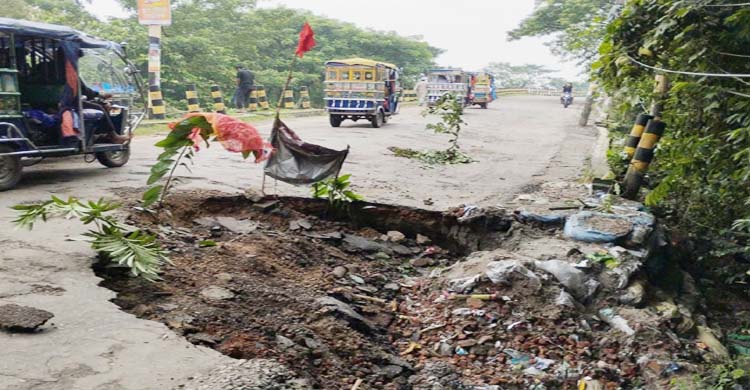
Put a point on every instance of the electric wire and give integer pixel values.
(701, 74)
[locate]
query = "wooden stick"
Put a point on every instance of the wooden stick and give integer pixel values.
(357, 384)
(288, 81)
(368, 298)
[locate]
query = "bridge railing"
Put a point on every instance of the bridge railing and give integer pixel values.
(536, 92)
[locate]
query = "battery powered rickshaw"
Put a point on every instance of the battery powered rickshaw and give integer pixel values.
(480, 90)
(447, 80)
(63, 93)
(359, 88)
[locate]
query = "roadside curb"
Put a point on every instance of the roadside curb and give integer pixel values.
(256, 115)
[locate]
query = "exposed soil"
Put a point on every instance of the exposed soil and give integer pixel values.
(275, 275)
(337, 302)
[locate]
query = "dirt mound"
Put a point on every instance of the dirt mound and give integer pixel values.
(369, 299)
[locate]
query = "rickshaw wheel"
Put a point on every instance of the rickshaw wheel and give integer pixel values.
(377, 120)
(10, 169)
(114, 159)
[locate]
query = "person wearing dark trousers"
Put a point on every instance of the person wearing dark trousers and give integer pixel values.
(244, 86)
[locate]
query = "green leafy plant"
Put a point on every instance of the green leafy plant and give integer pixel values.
(451, 113)
(122, 245)
(337, 191)
(177, 148)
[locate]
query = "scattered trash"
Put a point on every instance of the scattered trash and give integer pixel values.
(506, 271)
(708, 338)
(567, 300)
(461, 352)
(616, 321)
(206, 243)
(517, 358)
(739, 343)
(605, 258)
(568, 275)
(589, 226)
(547, 219)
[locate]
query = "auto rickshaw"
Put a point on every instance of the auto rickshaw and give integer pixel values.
(447, 80)
(359, 88)
(63, 93)
(480, 92)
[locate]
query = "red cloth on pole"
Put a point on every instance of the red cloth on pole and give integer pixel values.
(306, 40)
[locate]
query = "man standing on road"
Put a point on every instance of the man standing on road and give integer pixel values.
(244, 86)
(420, 88)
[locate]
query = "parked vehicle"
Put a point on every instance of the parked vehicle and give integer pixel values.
(45, 71)
(358, 88)
(566, 99)
(480, 92)
(447, 80)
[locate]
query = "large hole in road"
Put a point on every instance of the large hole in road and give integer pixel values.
(286, 273)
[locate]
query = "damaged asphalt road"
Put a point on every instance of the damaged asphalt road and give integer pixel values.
(98, 346)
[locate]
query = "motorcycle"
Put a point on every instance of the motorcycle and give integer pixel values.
(566, 99)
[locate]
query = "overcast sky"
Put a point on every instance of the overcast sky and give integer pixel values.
(472, 32)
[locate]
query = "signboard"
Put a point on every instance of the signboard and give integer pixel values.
(154, 12)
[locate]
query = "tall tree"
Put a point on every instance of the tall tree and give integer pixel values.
(577, 26)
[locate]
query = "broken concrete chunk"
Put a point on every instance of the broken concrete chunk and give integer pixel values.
(300, 224)
(423, 240)
(360, 244)
(231, 224)
(420, 262)
(217, 293)
(346, 311)
(395, 236)
(339, 272)
(204, 338)
(15, 318)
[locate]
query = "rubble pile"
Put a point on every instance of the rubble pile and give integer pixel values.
(546, 293)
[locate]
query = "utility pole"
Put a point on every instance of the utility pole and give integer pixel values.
(155, 14)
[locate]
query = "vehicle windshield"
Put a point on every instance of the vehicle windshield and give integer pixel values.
(106, 72)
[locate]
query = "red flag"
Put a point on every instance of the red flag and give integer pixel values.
(306, 40)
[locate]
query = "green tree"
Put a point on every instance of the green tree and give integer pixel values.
(576, 26)
(703, 163)
(209, 37)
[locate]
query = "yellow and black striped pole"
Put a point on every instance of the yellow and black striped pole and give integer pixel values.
(642, 157)
(218, 99)
(158, 110)
(253, 105)
(155, 101)
(644, 153)
(191, 94)
(635, 134)
(288, 98)
(304, 97)
(262, 99)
